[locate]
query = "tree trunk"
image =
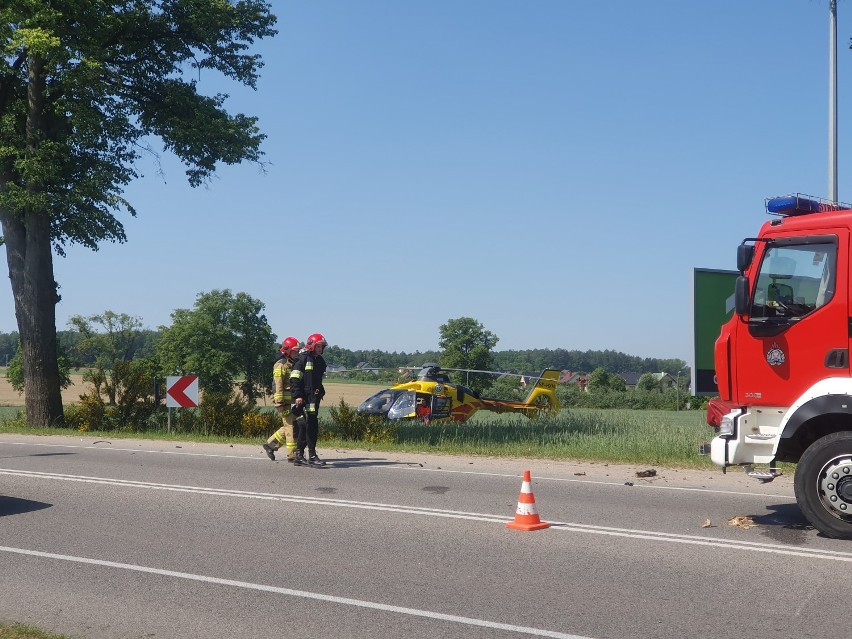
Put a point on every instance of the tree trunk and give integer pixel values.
(30, 259)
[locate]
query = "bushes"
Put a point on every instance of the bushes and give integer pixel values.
(218, 414)
(120, 399)
(257, 423)
(639, 399)
(225, 415)
(348, 425)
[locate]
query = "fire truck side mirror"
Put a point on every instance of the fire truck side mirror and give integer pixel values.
(741, 299)
(745, 254)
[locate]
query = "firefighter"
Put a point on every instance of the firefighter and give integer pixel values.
(281, 398)
(307, 391)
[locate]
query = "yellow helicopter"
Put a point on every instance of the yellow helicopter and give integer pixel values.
(432, 396)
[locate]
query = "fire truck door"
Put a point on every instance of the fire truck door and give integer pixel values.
(798, 328)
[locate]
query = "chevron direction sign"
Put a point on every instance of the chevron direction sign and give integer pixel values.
(182, 391)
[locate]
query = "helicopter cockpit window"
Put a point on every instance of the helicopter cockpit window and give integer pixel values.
(378, 404)
(794, 280)
(403, 406)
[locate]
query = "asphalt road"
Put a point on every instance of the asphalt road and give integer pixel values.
(103, 539)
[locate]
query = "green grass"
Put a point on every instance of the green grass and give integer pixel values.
(9, 412)
(665, 438)
(620, 436)
(17, 631)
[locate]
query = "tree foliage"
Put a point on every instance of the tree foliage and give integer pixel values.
(130, 399)
(9, 343)
(649, 382)
(107, 338)
(535, 360)
(467, 344)
(223, 338)
(110, 348)
(85, 86)
(17, 378)
(602, 380)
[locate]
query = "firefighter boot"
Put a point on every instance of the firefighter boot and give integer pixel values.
(314, 461)
(299, 459)
(270, 451)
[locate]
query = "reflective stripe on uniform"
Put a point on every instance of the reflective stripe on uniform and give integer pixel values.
(297, 374)
(281, 382)
(309, 365)
(312, 408)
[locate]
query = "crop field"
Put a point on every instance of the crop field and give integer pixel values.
(615, 435)
(352, 394)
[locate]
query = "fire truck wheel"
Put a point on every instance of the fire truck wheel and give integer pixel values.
(823, 485)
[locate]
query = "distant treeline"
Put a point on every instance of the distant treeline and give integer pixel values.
(530, 361)
(143, 346)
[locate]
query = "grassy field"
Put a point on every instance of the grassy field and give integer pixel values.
(667, 438)
(8, 412)
(664, 438)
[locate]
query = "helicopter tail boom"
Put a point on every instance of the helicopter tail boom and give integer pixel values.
(542, 396)
(543, 393)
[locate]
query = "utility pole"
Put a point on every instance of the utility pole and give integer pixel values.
(832, 101)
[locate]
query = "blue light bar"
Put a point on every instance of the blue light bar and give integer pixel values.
(799, 204)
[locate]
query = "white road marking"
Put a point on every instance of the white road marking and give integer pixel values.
(131, 450)
(414, 467)
(597, 482)
(727, 544)
(469, 621)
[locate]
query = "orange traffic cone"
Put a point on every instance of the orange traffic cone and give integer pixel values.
(526, 516)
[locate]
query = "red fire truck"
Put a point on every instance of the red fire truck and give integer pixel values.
(782, 361)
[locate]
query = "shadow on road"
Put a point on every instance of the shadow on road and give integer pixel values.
(349, 462)
(15, 506)
(785, 524)
(49, 454)
(34, 455)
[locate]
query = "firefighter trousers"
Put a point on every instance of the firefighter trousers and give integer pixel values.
(285, 437)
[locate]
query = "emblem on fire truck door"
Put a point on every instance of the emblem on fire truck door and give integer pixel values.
(775, 356)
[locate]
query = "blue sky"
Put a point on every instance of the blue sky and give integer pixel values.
(555, 169)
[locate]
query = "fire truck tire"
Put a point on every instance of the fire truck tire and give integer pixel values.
(823, 485)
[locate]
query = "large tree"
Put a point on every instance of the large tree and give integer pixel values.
(466, 344)
(85, 85)
(223, 338)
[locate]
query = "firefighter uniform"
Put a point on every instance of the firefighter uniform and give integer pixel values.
(281, 399)
(306, 383)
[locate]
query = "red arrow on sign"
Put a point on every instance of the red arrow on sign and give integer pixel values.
(177, 391)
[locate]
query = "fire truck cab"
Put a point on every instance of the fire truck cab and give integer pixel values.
(782, 361)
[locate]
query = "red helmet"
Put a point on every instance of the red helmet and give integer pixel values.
(288, 345)
(313, 341)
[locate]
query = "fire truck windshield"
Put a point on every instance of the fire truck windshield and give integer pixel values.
(794, 280)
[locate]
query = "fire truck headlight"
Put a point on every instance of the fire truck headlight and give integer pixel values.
(729, 423)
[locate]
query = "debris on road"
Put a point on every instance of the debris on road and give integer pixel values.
(742, 521)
